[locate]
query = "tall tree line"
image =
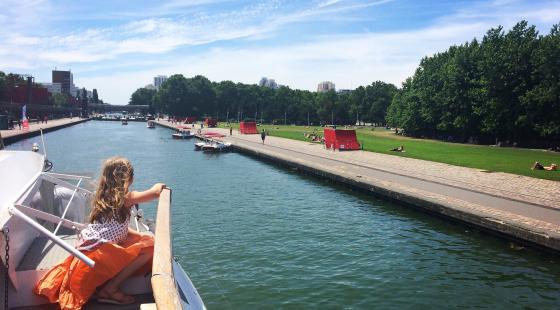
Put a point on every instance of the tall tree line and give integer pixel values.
(503, 88)
(198, 96)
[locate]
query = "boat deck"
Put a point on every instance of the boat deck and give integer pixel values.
(44, 253)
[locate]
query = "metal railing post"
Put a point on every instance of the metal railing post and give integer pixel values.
(88, 261)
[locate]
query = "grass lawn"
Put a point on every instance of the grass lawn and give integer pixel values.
(489, 158)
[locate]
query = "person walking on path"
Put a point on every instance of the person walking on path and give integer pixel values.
(230, 130)
(263, 135)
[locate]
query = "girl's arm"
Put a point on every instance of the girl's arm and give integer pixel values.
(134, 197)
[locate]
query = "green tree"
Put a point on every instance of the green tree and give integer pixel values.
(172, 96)
(201, 96)
(326, 106)
(541, 104)
(376, 98)
(144, 96)
(226, 98)
(60, 100)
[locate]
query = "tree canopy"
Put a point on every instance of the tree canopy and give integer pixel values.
(197, 96)
(504, 88)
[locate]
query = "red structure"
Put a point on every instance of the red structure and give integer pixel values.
(39, 95)
(341, 139)
(190, 119)
(210, 122)
(210, 134)
(248, 128)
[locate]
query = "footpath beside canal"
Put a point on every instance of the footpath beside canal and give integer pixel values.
(518, 207)
(14, 135)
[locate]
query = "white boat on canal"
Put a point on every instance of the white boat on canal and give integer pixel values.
(212, 146)
(183, 133)
(41, 214)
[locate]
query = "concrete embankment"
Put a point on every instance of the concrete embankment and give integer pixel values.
(504, 204)
(14, 135)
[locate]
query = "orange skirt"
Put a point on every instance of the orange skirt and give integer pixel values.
(71, 283)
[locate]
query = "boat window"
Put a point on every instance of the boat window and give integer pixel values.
(52, 197)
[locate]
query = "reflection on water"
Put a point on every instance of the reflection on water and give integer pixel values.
(255, 236)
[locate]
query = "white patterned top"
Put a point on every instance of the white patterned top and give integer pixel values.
(97, 233)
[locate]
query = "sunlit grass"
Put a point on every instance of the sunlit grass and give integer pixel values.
(489, 158)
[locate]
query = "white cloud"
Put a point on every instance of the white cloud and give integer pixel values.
(161, 35)
(349, 60)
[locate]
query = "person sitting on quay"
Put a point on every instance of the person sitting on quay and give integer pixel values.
(316, 138)
(398, 149)
(539, 166)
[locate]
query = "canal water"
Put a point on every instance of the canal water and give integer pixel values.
(256, 236)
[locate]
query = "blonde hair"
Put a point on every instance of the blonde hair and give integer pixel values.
(109, 201)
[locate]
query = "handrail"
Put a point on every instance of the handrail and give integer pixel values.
(88, 261)
(34, 213)
(67, 207)
(163, 280)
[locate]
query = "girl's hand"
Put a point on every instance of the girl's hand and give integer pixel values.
(158, 188)
(145, 196)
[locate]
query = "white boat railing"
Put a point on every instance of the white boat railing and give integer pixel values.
(13, 210)
(67, 207)
(16, 212)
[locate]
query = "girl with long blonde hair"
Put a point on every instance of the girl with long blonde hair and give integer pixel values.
(118, 251)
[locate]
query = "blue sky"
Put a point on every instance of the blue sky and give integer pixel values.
(119, 46)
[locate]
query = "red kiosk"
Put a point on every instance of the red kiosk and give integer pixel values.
(248, 128)
(210, 122)
(190, 119)
(341, 139)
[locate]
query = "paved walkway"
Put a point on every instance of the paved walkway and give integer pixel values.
(12, 135)
(522, 207)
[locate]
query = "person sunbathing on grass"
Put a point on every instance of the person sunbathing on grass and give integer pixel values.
(398, 149)
(539, 166)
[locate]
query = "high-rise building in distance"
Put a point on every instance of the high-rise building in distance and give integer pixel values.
(158, 80)
(270, 83)
(65, 79)
(53, 88)
(325, 86)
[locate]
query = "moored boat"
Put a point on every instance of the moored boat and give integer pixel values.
(151, 124)
(41, 214)
(124, 122)
(183, 133)
(198, 145)
(216, 146)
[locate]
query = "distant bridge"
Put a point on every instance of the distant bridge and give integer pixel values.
(14, 109)
(103, 108)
